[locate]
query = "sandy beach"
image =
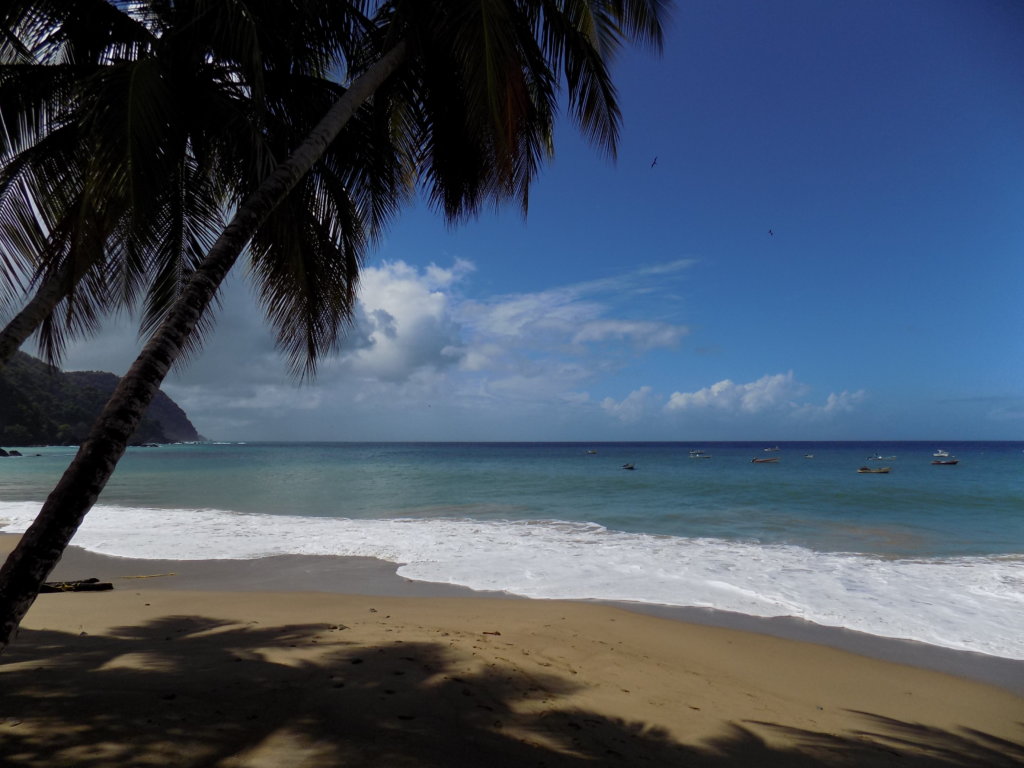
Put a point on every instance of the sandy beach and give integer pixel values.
(243, 664)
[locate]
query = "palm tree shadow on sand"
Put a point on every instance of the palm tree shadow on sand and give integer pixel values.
(191, 691)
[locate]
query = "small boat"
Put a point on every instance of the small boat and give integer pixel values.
(770, 450)
(874, 470)
(808, 455)
(941, 454)
(946, 461)
(764, 461)
(628, 466)
(699, 454)
(878, 457)
(591, 451)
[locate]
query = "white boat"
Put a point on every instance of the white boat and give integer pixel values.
(771, 450)
(878, 457)
(941, 454)
(699, 454)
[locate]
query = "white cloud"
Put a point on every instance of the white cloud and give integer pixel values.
(632, 408)
(439, 277)
(423, 359)
(578, 314)
(766, 393)
(539, 316)
(544, 380)
(575, 398)
(780, 392)
(844, 402)
(481, 357)
(667, 268)
(404, 322)
(645, 335)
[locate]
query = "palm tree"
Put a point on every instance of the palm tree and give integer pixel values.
(469, 86)
(32, 100)
(121, 157)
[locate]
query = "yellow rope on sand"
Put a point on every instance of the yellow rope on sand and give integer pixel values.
(148, 576)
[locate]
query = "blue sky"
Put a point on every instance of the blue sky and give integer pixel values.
(881, 143)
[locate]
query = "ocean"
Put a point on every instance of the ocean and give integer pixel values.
(925, 552)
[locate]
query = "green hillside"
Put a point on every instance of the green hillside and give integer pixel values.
(40, 405)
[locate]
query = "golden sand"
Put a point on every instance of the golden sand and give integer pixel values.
(161, 677)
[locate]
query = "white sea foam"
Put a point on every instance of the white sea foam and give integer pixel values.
(969, 603)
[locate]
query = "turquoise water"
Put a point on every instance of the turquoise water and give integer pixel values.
(929, 552)
(973, 508)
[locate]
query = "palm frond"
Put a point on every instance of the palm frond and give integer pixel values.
(306, 268)
(75, 256)
(69, 32)
(38, 187)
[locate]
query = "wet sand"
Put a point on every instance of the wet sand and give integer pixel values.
(299, 661)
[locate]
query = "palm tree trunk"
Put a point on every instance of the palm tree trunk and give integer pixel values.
(24, 324)
(44, 542)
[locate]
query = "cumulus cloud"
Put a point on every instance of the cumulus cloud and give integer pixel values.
(632, 408)
(416, 336)
(843, 402)
(422, 351)
(404, 322)
(757, 396)
(771, 393)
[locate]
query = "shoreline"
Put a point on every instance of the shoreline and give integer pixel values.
(238, 664)
(366, 576)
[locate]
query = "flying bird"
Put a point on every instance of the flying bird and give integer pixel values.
(771, 233)
(654, 162)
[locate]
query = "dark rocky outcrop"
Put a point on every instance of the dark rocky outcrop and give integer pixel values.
(40, 405)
